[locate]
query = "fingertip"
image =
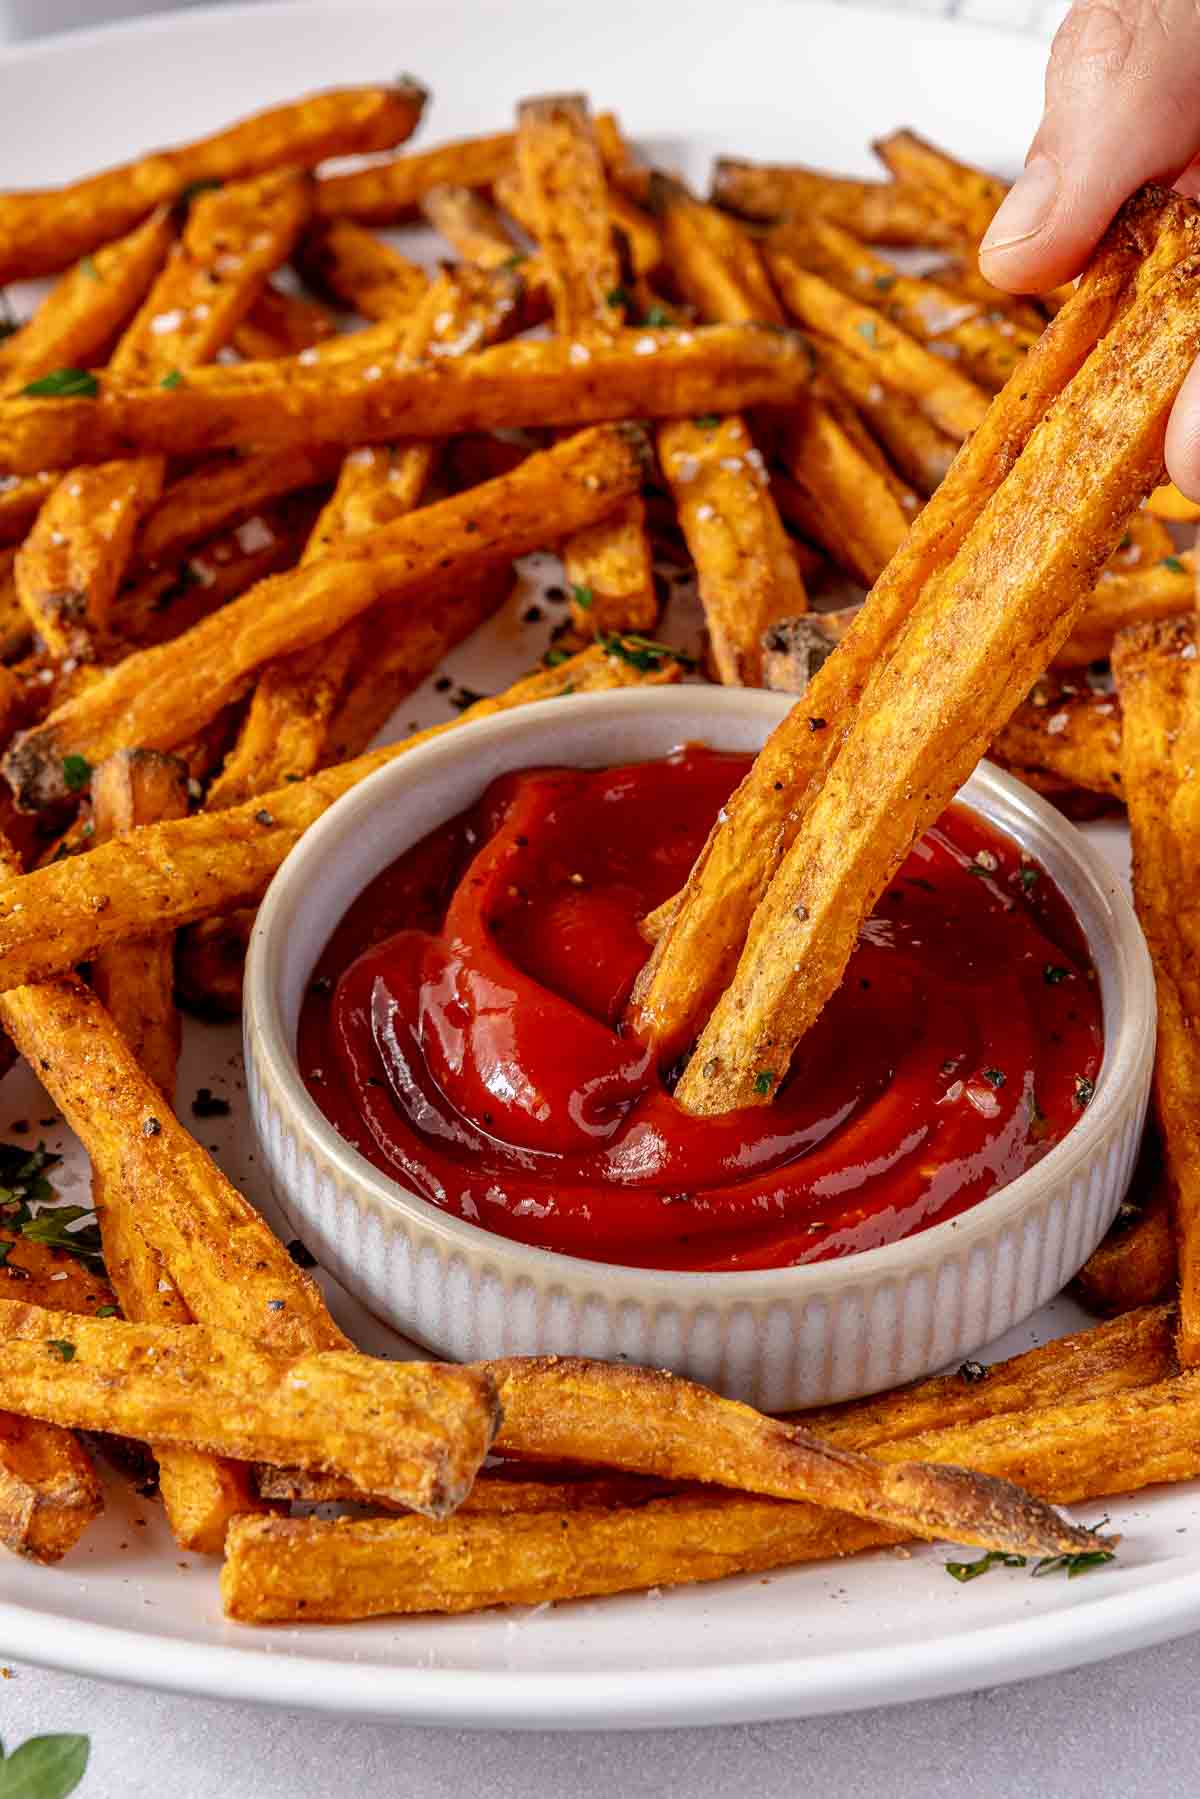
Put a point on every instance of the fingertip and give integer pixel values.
(1183, 437)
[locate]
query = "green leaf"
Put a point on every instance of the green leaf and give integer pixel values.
(513, 262)
(64, 1349)
(658, 317)
(641, 653)
(1028, 878)
(64, 384)
(616, 296)
(106, 1312)
(195, 188)
(582, 596)
(174, 379)
(764, 1080)
(884, 283)
(1053, 973)
(1071, 1565)
(77, 772)
(994, 1558)
(45, 1768)
(554, 658)
(708, 421)
(1174, 564)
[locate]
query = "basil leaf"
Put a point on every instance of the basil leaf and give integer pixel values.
(45, 1768)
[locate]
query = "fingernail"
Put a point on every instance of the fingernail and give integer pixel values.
(1026, 207)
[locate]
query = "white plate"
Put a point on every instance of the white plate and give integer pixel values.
(786, 80)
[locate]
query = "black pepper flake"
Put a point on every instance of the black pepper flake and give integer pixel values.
(443, 684)
(208, 1104)
(322, 984)
(151, 1127)
(264, 817)
(817, 724)
(533, 615)
(557, 594)
(994, 1077)
(19, 1126)
(301, 1254)
(466, 696)
(972, 1372)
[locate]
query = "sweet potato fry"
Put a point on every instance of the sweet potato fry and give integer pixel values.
(87, 307)
(951, 401)
(135, 980)
(640, 245)
(878, 212)
(1136, 1263)
(388, 193)
(45, 230)
(415, 1431)
(986, 347)
(714, 263)
(1164, 589)
(1073, 734)
(282, 324)
(158, 697)
(700, 935)
(981, 632)
(1155, 667)
(169, 875)
(1167, 502)
(648, 374)
(221, 493)
(915, 446)
(356, 267)
(647, 1421)
(745, 564)
(841, 498)
(69, 568)
(472, 227)
(49, 1492)
(561, 176)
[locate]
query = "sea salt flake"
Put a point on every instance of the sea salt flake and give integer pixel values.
(1057, 725)
(254, 535)
(166, 322)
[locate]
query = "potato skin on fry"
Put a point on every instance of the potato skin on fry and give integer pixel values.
(49, 1492)
(715, 367)
(44, 230)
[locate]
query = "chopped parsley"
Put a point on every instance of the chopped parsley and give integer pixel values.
(28, 1207)
(582, 596)
(616, 296)
(555, 658)
(62, 1347)
(764, 1080)
(174, 379)
(994, 1558)
(1028, 878)
(708, 421)
(657, 317)
(641, 653)
(1174, 564)
(106, 1312)
(77, 772)
(1053, 973)
(64, 384)
(1080, 1563)
(868, 329)
(194, 189)
(1084, 1089)
(513, 262)
(994, 1077)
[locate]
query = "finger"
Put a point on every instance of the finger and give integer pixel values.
(1122, 92)
(1183, 437)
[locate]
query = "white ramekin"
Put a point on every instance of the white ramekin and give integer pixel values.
(779, 1338)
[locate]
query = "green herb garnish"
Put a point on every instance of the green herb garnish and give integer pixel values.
(1174, 564)
(884, 283)
(174, 379)
(555, 658)
(513, 262)
(994, 1077)
(764, 1080)
(1028, 878)
(194, 189)
(44, 1767)
(106, 1312)
(62, 1347)
(869, 329)
(616, 296)
(1052, 974)
(1084, 1089)
(708, 421)
(994, 1558)
(1081, 1563)
(658, 317)
(582, 596)
(64, 384)
(641, 653)
(77, 772)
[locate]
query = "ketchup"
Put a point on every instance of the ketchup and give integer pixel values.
(463, 1031)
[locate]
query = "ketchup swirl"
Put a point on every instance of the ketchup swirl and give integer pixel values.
(463, 1032)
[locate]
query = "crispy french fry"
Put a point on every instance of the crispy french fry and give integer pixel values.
(1155, 668)
(641, 249)
(841, 498)
(700, 934)
(41, 1274)
(87, 307)
(951, 401)
(135, 980)
(561, 178)
(715, 264)
(170, 875)
(495, 1490)
(878, 212)
(646, 1421)
(963, 277)
(158, 697)
(69, 568)
(1163, 590)
(49, 1492)
(914, 444)
(648, 374)
(355, 266)
(1014, 590)
(44, 230)
(221, 493)
(1136, 1263)
(987, 348)
(472, 227)
(1074, 735)
(415, 1431)
(282, 324)
(745, 565)
(388, 193)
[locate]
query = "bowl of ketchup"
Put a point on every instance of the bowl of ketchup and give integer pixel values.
(462, 1126)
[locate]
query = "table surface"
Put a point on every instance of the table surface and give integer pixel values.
(1118, 1724)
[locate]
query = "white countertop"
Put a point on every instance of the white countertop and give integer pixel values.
(1126, 1725)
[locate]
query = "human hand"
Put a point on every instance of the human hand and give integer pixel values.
(1122, 107)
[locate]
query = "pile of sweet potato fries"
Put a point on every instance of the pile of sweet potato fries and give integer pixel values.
(259, 472)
